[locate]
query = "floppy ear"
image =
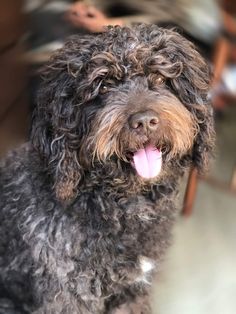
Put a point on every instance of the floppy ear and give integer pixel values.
(192, 87)
(204, 143)
(58, 122)
(189, 79)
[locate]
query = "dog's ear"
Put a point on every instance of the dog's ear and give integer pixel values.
(189, 78)
(192, 87)
(58, 123)
(203, 147)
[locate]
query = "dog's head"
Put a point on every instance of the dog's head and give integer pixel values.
(138, 96)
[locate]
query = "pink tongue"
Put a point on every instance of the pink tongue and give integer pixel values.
(148, 161)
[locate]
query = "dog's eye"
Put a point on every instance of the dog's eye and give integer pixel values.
(160, 79)
(103, 89)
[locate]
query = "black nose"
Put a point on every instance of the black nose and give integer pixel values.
(145, 120)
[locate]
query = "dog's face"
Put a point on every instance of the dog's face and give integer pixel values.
(137, 96)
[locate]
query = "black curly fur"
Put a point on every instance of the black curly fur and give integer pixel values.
(76, 220)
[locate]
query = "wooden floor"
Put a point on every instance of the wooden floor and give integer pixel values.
(199, 275)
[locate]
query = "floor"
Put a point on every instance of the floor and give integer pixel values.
(199, 274)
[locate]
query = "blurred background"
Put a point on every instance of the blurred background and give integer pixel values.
(199, 275)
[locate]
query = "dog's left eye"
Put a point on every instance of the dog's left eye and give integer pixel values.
(103, 89)
(160, 79)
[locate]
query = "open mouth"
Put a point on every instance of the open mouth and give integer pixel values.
(147, 161)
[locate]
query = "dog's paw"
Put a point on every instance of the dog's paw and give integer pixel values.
(132, 308)
(123, 309)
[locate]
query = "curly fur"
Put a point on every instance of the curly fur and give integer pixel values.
(81, 232)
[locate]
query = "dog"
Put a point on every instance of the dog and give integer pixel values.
(87, 206)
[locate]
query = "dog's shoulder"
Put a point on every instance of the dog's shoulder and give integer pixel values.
(13, 167)
(18, 171)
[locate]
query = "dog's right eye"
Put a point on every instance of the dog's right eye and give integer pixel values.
(103, 89)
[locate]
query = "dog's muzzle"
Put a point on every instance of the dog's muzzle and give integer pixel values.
(144, 121)
(148, 160)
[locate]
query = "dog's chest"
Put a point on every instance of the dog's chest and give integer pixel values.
(147, 266)
(120, 252)
(91, 252)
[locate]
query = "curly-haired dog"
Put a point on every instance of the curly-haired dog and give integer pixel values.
(87, 206)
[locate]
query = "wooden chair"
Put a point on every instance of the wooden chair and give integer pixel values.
(14, 105)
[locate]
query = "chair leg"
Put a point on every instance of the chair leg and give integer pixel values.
(233, 180)
(221, 56)
(190, 192)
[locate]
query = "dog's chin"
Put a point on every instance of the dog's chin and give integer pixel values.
(147, 162)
